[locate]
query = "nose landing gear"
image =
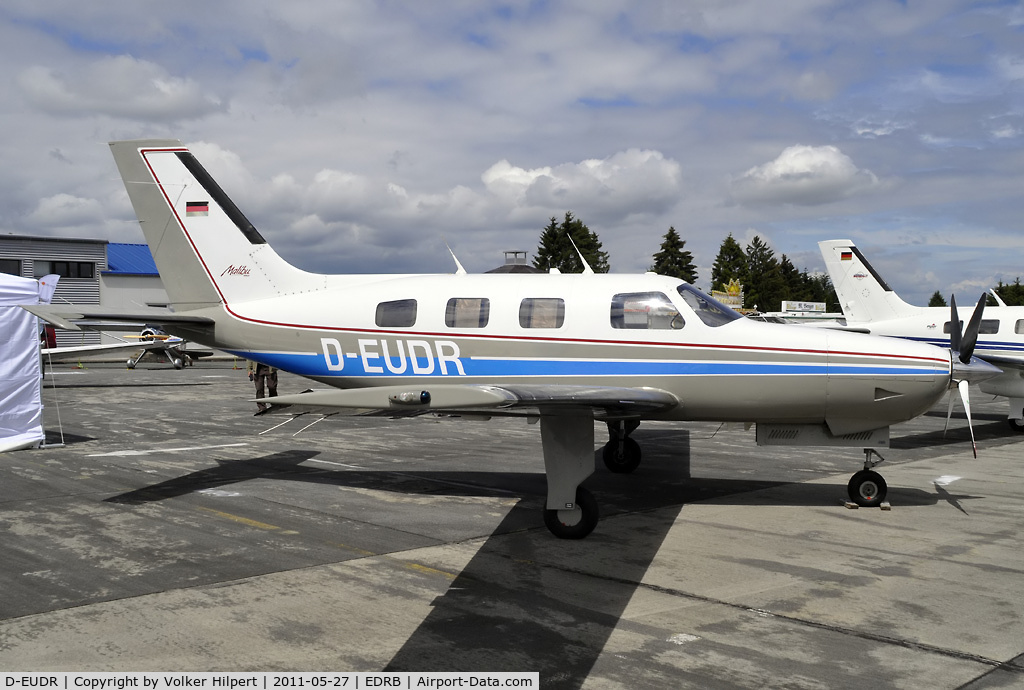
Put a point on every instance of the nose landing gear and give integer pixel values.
(867, 488)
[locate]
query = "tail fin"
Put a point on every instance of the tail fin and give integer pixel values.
(863, 295)
(206, 251)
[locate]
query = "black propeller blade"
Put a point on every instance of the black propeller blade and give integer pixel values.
(970, 338)
(955, 327)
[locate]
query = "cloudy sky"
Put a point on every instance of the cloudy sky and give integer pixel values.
(363, 136)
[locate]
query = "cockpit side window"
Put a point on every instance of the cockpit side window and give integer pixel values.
(709, 310)
(644, 310)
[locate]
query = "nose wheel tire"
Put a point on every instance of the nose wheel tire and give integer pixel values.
(1016, 424)
(621, 458)
(867, 489)
(576, 523)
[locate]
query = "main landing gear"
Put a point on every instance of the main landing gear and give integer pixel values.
(622, 454)
(867, 488)
(571, 511)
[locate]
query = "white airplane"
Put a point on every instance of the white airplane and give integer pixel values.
(870, 305)
(567, 350)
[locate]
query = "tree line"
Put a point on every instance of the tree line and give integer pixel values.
(1012, 295)
(767, 281)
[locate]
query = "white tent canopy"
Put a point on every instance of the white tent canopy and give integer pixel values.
(21, 404)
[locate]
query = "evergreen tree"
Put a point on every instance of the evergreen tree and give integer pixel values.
(556, 251)
(937, 300)
(1011, 294)
(673, 260)
(820, 289)
(731, 263)
(797, 284)
(765, 285)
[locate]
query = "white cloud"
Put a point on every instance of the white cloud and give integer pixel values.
(628, 182)
(120, 86)
(64, 211)
(803, 175)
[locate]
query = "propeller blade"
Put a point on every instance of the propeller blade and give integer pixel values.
(965, 398)
(955, 329)
(970, 338)
(949, 412)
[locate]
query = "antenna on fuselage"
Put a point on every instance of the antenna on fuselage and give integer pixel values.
(586, 266)
(459, 270)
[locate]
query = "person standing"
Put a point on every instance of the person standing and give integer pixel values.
(263, 375)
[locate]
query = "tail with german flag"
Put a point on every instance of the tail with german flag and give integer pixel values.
(863, 294)
(206, 250)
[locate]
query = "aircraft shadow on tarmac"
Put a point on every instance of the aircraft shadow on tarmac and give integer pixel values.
(527, 601)
(992, 430)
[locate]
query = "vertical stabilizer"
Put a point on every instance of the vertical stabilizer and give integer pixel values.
(863, 294)
(205, 249)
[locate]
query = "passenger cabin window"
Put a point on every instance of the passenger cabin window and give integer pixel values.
(1018, 328)
(987, 327)
(467, 312)
(708, 309)
(644, 310)
(542, 312)
(400, 313)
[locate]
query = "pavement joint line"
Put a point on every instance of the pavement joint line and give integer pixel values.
(1015, 665)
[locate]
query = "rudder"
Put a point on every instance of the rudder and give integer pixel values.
(205, 249)
(863, 294)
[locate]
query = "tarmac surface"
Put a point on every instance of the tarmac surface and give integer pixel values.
(168, 534)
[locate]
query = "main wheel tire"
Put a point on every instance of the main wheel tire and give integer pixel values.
(867, 489)
(1016, 424)
(624, 462)
(576, 523)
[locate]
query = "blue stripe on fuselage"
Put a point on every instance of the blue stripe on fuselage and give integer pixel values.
(310, 364)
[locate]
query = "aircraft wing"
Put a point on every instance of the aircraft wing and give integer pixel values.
(61, 354)
(1002, 361)
(605, 402)
(67, 319)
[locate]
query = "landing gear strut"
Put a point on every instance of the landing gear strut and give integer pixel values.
(867, 488)
(621, 454)
(570, 511)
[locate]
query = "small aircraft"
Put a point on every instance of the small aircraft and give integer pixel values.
(871, 306)
(151, 341)
(564, 350)
(156, 342)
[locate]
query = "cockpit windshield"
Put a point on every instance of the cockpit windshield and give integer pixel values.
(709, 310)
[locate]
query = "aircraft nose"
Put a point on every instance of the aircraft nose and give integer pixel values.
(875, 382)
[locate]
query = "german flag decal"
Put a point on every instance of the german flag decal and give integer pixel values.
(846, 256)
(197, 208)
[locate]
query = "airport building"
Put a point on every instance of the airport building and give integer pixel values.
(91, 272)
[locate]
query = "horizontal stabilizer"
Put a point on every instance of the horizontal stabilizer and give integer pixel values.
(67, 318)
